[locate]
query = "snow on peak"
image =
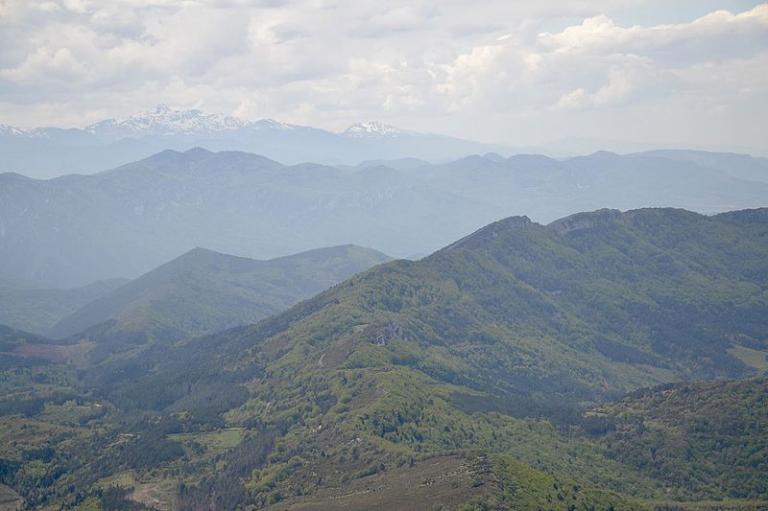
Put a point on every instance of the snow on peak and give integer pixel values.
(271, 124)
(373, 128)
(11, 130)
(167, 121)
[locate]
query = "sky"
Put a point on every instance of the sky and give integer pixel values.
(658, 73)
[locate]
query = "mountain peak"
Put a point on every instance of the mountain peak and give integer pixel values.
(372, 129)
(272, 124)
(490, 232)
(603, 154)
(7, 130)
(494, 157)
(11, 177)
(200, 251)
(196, 152)
(163, 109)
(164, 120)
(203, 290)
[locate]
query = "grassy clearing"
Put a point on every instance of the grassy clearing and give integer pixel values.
(159, 494)
(125, 479)
(215, 441)
(753, 358)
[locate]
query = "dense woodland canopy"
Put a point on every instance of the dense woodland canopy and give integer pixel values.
(501, 372)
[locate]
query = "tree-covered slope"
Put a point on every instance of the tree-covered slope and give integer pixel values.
(204, 291)
(470, 347)
(467, 373)
(588, 306)
(706, 439)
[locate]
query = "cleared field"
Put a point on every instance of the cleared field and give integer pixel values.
(213, 441)
(753, 358)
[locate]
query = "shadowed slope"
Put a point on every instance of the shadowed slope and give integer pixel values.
(204, 291)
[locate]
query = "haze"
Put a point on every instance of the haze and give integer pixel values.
(361, 255)
(558, 77)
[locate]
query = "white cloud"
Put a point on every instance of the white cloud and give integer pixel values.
(509, 71)
(577, 98)
(720, 34)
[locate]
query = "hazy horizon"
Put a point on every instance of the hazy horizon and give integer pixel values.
(323, 255)
(562, 76)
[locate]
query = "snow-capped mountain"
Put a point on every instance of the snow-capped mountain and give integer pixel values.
(374, 129)
(166, 121)
(49, 152)
(271, 124)
(10, 131)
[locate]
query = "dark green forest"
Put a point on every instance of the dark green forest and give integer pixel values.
(606, 361)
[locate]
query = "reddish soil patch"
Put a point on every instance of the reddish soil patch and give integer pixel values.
(58, 353)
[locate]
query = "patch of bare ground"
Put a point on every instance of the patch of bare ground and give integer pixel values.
(155, 495)
(10, 500)
(57, 353)
(441, 482)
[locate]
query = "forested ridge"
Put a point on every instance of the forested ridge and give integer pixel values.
(522, 367)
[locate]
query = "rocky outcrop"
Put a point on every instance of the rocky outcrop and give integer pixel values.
(380, 334)
(589, 220)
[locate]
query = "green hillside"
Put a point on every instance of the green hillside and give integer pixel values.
(480, 377)
(705, 439)
(204, 291)
(585, 308)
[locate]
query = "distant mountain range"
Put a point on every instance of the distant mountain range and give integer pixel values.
(740, 166)
(50, 152)
(203, 291)
(74, 230)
